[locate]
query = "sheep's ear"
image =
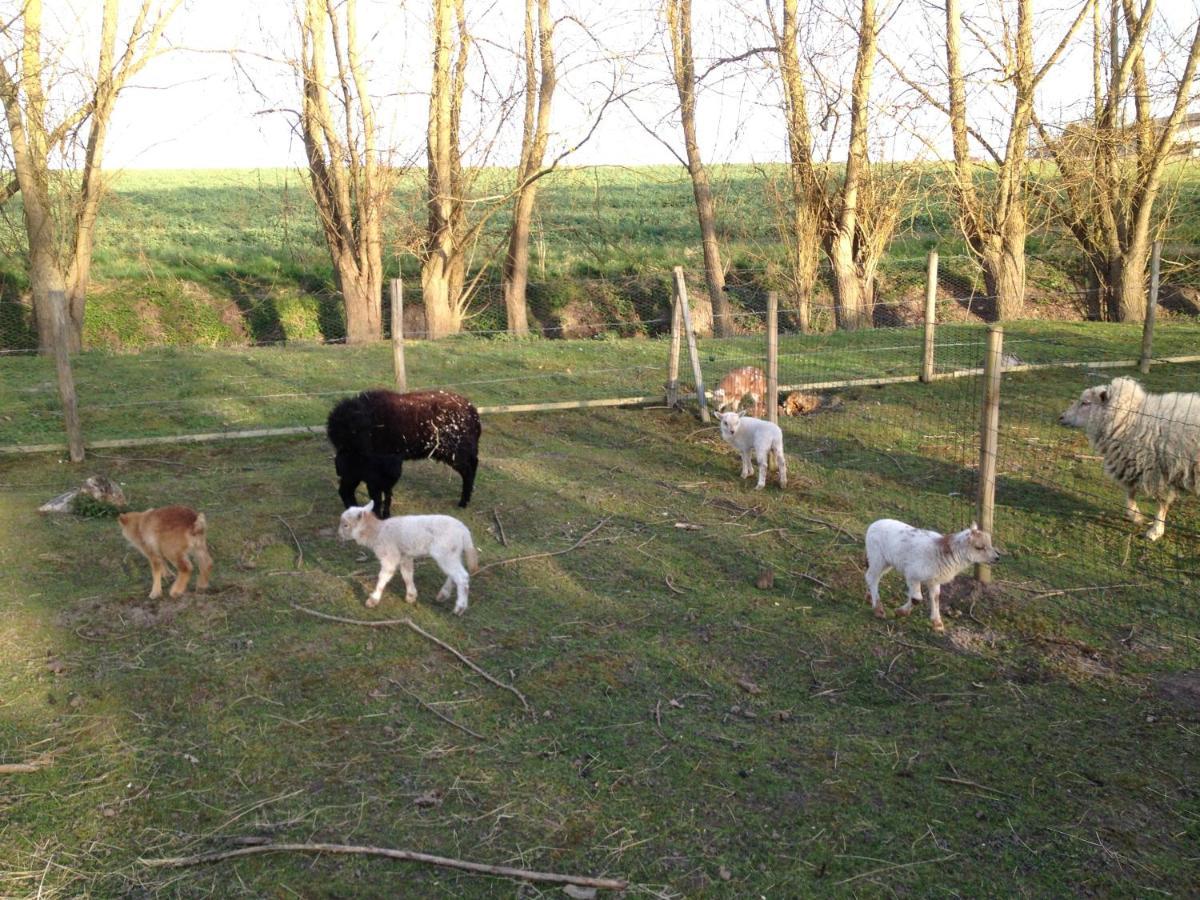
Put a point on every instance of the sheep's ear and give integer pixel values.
(370, 506)
(1104, 395)
(974, 526)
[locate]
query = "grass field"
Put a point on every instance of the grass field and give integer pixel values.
(691, 732)
(232, 256)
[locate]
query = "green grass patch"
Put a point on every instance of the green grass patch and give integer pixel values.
(693, 733)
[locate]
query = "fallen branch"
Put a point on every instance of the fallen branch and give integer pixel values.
(1038, 595)
(611, 884)
(919, 862)
(579, 543)
(672, 587)
(409, 623)
(499, 527)
(967, 783)
(445, 718)
(20, 768)
(296, 541)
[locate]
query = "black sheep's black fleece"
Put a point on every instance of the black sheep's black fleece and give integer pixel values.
(374, 432)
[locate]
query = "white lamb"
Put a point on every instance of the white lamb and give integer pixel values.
(747, 434)
(1150, 442)
(399, 540)
(923, 558)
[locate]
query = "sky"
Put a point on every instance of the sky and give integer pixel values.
(221, 97)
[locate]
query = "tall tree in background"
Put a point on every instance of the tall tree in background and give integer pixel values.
(443, 264)
(61, 185)
(348, 185)
(540, 81)
(993, 210)
(854, 214)
(1111, 168)
(683, 69)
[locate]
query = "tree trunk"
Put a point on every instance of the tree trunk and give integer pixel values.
(516, 263)
(852, 295)
(1128, 292)
(679, 21)
(47, 283)
(1003, 263)
(362, 296)
(441, 316)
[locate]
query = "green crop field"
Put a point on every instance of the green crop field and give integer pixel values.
(233, 256)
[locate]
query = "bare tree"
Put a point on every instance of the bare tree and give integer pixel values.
(683, 69)
(60, 206)
(535, 133)
(991, 197)
(349, 186)
(443, 269)
(853, 215)
(1112, 169)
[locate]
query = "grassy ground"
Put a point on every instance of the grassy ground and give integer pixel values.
(692, 732)
(173, 391)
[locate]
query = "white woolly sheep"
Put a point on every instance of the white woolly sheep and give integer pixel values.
(923, 558)
(1150, 442)
(398, 540)
(747, 434)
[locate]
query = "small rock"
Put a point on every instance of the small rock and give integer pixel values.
(765, 580)
(725, 874)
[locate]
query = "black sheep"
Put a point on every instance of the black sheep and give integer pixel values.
(376, 431)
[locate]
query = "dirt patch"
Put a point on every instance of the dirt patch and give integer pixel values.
(1181, 689)
(977, 642)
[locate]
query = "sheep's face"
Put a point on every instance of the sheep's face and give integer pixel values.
(1080, 411)
(730, 422)
(979, 546)
(351, 524)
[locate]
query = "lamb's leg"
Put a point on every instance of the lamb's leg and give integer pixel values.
(875, 571)
(781, 466)
(762, 453)
(204, 563)
(935, 610)
(914, 596)
(457, 576)
(1131, 509)
(387, 568)
(406, 572)
(747, 468)
(1160, 517)
(156, 571)
(183, 571)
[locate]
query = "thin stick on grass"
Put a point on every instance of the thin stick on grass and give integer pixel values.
(966, 782)
(445, 718)
(409, 623)
(579, 543)
(296, 541)
(499, 527)
(610, 884)
(20, 768)
(909, 865)
(672, 587)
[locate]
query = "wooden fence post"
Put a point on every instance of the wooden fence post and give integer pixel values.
(673, 362)
(681, 297)
(772, 357)
(1151, 309)
(397, 292)
(989, 439)
(930, 316)
(66, 378)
